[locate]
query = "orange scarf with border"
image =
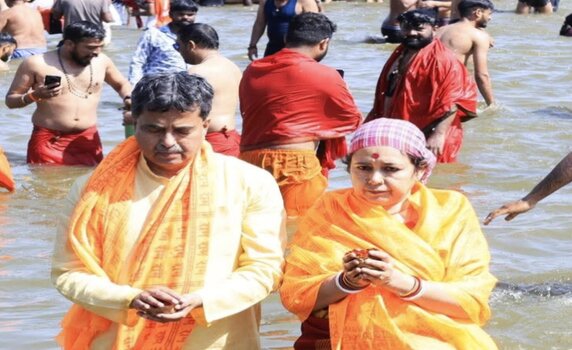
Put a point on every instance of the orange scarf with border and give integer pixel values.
(446, 246)
(170, 251)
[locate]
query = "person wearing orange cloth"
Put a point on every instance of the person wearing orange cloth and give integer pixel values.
(296, 113)
(168, 245)
(423, 82)
(6, 178)
(389, 263)
(198, 43)
(66, 86)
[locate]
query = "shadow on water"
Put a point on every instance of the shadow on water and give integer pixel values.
(554, 112)
(544, 290)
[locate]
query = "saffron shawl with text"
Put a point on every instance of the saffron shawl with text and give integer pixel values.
(170, 251)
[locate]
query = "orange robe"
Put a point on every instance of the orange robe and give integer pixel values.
(446, 246)
(435, 82)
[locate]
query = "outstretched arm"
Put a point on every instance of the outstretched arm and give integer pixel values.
(560, 176)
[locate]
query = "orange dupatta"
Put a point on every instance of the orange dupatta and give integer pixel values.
(6, 179)
(446, 246)
(170, 251)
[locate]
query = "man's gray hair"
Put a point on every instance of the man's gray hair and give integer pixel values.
(162, 92)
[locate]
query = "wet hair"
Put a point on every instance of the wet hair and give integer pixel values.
(419, 17)
(203, 35)
(181, 91)
(82, 30)
(308, 29)
(466, 7)
(7, 39)
(183, 5)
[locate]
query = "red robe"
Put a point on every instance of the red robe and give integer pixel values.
(435, 83)
(290, 98)
(48, 146)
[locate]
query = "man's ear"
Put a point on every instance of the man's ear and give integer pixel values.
(206, 124)
(191, 45)
(323, 44)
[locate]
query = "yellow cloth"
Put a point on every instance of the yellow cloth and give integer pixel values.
(446, 246)
(297, 172)
(244, 253)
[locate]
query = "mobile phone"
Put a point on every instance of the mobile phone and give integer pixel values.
(341, 72)
(53, 79)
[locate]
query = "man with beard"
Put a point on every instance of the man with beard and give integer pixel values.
(198, 44)
(423, 82)
(25, 25)
(296, 113)
(7, 46)
(155, 52)
(467, 38)
(66, 86)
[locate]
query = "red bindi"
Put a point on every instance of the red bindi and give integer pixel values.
(375, 155)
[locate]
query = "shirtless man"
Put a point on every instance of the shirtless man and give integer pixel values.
(467, 38)
(198, 44)
(390, 28)
(276, 14)
(65, 118)
(7, 47)
(25, 25)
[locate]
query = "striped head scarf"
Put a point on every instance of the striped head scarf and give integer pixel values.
(396, 133)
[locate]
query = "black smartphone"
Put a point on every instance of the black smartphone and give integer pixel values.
(53, 79)
(341, 72)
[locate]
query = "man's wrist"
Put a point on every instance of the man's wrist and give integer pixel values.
(252, 46)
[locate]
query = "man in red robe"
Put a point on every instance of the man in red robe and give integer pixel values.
(296, 113)
(423, 82)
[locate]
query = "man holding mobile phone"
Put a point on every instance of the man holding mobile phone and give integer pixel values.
(66, 86)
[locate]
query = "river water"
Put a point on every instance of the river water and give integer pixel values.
(506, 151)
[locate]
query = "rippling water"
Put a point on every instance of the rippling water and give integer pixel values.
(506, 151)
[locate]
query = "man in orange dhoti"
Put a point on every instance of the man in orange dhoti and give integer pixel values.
(170, 245)
(389, 263)
(423, 82)
(290, 104)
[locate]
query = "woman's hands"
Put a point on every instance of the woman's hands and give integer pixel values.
(377, 268)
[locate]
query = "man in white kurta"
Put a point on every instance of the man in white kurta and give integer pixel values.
(99, 263)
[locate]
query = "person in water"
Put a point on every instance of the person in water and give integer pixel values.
(389, 263)
(168, 245)
(274, 16)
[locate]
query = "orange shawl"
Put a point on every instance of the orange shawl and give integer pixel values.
(6, 179)
(170, 251)
(446, 246)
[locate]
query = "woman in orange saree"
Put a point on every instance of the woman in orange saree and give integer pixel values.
(389, 263)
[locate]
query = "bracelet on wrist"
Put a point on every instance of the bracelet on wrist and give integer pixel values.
(416, 292)
(341, 284)
(250, 47)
